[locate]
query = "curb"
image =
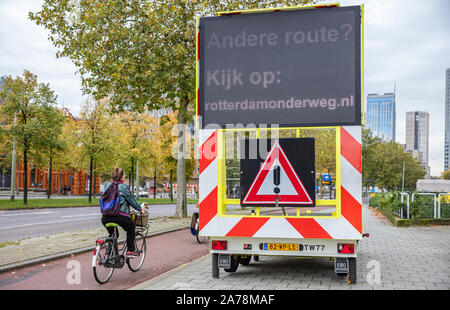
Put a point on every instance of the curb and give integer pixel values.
(43, 259)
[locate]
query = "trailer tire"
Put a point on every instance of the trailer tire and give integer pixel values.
(256, 258)
(235, 259)
(215, 265)
(352, 270)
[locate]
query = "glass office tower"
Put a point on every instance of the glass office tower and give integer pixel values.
(380, 115)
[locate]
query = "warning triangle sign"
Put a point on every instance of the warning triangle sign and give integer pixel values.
(277, 179)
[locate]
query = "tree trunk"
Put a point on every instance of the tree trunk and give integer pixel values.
(129, 179)
(171, 185)
(95, 181)
(181, 209)
(91, 168)
(25, 175)
(132, 177)
(154, 185)
(49, 185)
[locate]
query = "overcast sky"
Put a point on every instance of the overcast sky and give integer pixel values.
(407, 44)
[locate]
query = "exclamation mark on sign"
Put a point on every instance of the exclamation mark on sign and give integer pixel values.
(276, 179)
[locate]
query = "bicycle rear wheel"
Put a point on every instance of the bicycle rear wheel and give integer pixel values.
(135, 263)
(102, 273)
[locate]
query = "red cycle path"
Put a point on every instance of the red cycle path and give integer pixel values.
(164, 252)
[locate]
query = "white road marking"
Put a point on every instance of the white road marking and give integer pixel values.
(30, 213)
(46, 223)
(91, 214)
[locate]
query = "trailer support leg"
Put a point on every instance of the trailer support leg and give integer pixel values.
(351, 270)
(215, 265)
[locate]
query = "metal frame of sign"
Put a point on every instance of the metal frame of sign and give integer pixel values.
(252, 198)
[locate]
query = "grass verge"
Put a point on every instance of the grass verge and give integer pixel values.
(3, 244)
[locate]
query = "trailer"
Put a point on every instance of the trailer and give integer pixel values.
(235, 238)
(278, 213)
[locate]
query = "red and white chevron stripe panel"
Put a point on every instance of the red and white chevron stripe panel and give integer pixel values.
(348, 226)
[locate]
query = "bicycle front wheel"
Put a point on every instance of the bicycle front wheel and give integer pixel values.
(200, 239)
(135, 263)
(102, 272)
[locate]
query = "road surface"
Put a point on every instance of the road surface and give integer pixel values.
(20, 224)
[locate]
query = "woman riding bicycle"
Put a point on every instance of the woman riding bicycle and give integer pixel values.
(123, 219)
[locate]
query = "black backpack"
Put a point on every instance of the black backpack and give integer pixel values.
(110, 200)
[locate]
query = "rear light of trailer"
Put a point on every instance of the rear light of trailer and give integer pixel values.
(345, 248)
(218, 245)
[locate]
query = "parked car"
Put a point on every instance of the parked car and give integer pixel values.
(143, 193)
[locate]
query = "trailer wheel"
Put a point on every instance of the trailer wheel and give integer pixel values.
(351, 270)
(245, 260)
(215, 265)
(256, 258)
(235, 259)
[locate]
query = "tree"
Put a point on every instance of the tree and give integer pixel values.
(368, 142)
(325, 148)
(52, 140)
(383, 162)
(136, 142)
(445, 175)
(168, 150)
(5, 147)
(93, 133)
(29, 101)
(173, 67)
(138, 53)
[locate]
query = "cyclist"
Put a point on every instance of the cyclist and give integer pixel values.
(123, 219)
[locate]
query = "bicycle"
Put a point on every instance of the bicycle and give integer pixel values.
(194, 228)
(108, 256)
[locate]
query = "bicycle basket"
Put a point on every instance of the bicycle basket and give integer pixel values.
(139, 219)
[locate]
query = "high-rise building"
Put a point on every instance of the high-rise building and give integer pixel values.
(447, 121)
(380, 115)
(417, 136)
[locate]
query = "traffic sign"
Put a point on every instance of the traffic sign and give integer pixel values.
(277, 182)
(291, 68)
(326, 179)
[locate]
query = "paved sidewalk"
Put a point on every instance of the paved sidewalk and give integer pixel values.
(406, 258)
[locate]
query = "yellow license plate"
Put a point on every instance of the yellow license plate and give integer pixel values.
(282, 247)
